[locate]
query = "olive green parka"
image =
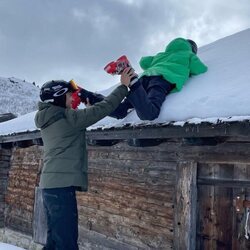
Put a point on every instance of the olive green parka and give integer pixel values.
(63, 134)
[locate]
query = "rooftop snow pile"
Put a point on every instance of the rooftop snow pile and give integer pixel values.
(221, 92)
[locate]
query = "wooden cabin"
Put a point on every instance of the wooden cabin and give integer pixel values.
(150, 187)
(160, 186)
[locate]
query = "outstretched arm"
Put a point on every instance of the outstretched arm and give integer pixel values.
(197, 66)
(81, 119)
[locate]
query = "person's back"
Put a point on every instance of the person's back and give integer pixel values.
(175, 64)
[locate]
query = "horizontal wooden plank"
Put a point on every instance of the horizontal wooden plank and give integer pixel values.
(5, 152)
(19, 224)
(163, 193)
(204, 129)
(230, 183)
(225, 129)
(129, 230)
(151, 206)
(130, 215)
(23, 136)
(89, 239)
(172, 152)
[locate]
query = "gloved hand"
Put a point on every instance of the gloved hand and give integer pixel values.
(83, 95)
(79, 96)
(87, 97)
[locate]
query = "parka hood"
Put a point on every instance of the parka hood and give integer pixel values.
(46, 112)
(178, 44)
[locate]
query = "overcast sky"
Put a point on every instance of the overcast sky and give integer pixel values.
(41, 40)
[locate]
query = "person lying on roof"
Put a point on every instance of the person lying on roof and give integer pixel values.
(164, 73)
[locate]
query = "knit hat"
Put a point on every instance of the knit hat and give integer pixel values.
(193, 46)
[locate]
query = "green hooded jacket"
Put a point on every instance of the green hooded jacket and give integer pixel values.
(63, 134)
(176, 64)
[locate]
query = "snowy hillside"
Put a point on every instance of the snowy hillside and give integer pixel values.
(221, 94)
(17, 96)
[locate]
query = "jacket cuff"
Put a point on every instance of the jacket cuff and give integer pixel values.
(135, 85)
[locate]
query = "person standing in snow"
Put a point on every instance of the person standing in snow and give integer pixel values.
(164, 73)
(65, 168)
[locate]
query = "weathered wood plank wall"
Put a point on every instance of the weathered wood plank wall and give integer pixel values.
(23, 177)
(129, 203)
(131, 197)
(5, 155)
(214, 229)
(219, 225)
(133, 191)
(185, 207)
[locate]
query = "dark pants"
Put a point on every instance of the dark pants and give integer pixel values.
(62, 218)
(146, 97)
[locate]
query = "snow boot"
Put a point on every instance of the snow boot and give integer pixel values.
(117, 67)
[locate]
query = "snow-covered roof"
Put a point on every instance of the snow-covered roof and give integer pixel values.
(221, 94)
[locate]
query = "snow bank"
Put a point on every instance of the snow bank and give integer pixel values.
(4, 246)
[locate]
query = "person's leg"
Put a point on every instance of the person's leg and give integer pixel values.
(50, 244)
(122, 110)
(62, 209)
(147, 96)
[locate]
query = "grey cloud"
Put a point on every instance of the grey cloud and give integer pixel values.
(45, 39)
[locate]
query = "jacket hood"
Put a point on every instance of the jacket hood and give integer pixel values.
(46, 112)
(178, 44)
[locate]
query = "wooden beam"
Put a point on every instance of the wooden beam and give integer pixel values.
(240, 130)
(185, 206)
(226, 129)
(230, 183)
(24, 136)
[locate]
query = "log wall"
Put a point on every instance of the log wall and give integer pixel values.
(5, 155)
(145, 198)
(129, 205)
(23, 177)
(131, 197)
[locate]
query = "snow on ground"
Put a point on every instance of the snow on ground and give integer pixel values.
(220, 94)
(4, 246)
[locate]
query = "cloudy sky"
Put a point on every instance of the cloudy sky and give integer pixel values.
(42, 40)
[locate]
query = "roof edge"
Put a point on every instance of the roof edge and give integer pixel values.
(239, 129)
